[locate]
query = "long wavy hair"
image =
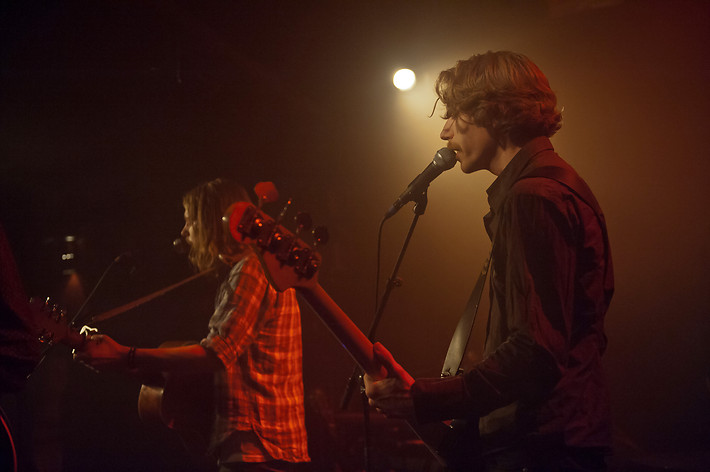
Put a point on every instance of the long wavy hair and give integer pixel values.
(502, 91)
(205, 205)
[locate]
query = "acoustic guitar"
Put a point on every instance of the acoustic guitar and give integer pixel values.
(291, 263)
(182, 402)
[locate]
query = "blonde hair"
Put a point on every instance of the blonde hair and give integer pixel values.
(205, 205)
(502, 91)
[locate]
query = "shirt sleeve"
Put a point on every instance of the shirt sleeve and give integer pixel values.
(240, 311)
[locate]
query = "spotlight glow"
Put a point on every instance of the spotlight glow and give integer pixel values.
(404, 79)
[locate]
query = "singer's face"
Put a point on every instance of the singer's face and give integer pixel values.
(188, 231)
(475, 147)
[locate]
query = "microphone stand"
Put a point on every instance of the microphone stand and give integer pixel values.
(420, 203)
(80, 311)
(89, 298)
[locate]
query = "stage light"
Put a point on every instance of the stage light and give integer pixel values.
(404, 79)
(69, 255)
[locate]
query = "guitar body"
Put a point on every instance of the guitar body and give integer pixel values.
(183, 403)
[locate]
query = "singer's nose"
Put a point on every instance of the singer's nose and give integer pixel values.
(447, 130)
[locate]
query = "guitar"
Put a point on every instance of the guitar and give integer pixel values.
(183, 403)
(52, 326)
(291, 263)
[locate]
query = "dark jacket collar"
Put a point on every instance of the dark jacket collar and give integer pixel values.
(499, 189)
(514, 170)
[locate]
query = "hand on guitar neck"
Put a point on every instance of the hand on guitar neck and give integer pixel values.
(390, 395)
(101, 352)
(291, 263)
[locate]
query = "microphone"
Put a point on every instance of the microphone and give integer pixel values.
(124, 257)
(180, 246)
(444, 159)
(128, 260)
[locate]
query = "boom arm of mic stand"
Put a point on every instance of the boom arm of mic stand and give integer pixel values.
(419, 209)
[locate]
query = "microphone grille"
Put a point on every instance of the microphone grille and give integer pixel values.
(445, 158)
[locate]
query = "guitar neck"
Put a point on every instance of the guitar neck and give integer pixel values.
(290, 263)
(434, 435)
(355, 342)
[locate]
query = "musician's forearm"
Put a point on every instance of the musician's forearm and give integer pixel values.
(183, 359)
(101, 352)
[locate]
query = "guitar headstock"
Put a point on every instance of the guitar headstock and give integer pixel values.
(287, 260)
(52, 324)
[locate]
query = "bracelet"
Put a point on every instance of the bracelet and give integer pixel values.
(132, 357)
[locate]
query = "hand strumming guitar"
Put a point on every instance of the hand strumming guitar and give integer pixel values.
(391, 395)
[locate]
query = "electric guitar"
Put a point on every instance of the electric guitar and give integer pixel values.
(291, 263)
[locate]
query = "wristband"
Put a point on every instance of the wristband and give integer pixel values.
(131, 357)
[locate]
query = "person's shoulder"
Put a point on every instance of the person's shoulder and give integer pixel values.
(535, 194)
(249, 262)
(542, 187)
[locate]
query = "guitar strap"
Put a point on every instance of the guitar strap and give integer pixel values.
(462, 334)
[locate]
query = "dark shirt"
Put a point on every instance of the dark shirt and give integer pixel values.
(551, 284)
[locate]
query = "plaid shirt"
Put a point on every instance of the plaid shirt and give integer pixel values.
(256, 333)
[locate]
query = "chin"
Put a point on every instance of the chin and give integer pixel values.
(469, 169)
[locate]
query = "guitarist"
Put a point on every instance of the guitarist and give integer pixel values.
(538, 398)
(253, 346)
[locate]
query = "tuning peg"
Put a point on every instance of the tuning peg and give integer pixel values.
(283, 212)
(58, 313)
(311, 267)
(266, 192)
(303, 222)
(296, 255)
(320, 235)
(46, 337)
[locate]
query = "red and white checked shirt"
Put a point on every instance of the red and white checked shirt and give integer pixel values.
(256, 332)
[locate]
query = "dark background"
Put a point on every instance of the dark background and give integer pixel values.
(110, 111)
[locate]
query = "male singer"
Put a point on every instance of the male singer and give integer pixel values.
(538, 397)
